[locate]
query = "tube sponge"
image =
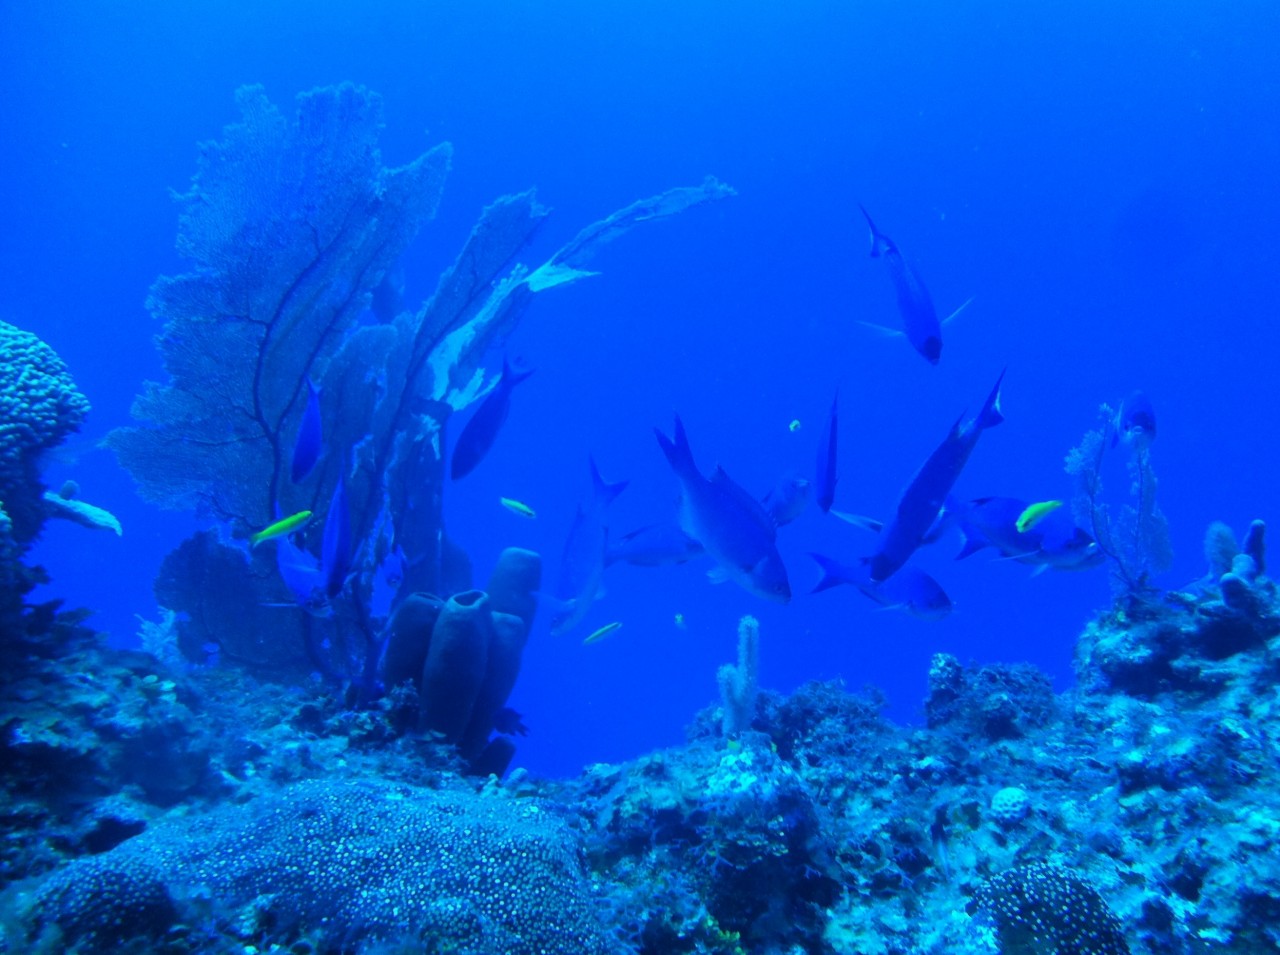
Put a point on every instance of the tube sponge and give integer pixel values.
(738, 684)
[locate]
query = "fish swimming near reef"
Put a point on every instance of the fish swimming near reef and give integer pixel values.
(582, 561)
(1034, 514)
(518, 507)
(598, 635)
(786, 500)
(280, 528)
(733, 527)
(335, 546)
(824, 482)
(910, 590)
(479, 433)
(926, 494)
(307, 446)
(655, 545)
(1135, 421)
(1053, 542)
(509, 722)
(915, 305)
(304, 577)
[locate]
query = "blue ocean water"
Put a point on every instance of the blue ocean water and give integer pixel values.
(1100, 180)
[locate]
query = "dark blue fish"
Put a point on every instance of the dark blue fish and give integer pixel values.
(940, 525)
(993, 522)
(508, 722)
(1054, 542)
(733, 526)
(304, 577)
(786, 500)
(306, 449)
(911, 589)
(919, 318)
(582, 561)
(825, 482)
(926, 495)
(654, 546)
(335, 546)
(479, 432)
(1135, 422)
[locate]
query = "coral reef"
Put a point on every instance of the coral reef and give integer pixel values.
(1046, 908)
(40, 407)
(455, 872)
(1133, 813)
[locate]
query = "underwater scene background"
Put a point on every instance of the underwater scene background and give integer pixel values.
(296, 216)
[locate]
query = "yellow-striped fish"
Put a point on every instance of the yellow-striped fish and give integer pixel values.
(515, 507)
(281, 527)
(1034, 514)
(603, 632)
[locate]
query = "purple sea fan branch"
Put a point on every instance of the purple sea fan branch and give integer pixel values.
(1136, 540)
(289, 224)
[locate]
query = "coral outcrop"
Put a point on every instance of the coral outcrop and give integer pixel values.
(1134, 813)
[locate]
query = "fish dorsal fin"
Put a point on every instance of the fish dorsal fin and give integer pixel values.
(721, 481)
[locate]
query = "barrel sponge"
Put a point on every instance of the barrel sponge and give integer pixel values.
(39, 407)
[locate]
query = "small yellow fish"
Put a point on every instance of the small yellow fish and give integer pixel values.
(1035, 513)
(603, 632)
(795, 425)
(515, 507)
(281, 527)
(680, 624)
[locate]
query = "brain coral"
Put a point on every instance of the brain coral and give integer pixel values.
(1043, 908)
(345, 865)
(39, 408)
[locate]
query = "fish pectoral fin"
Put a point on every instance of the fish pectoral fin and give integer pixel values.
(952, 316)
(857, 520)
(883, 329)
(718, 575)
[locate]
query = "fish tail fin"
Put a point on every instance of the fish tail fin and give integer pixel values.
(513, 376)
(603, 491)
(971, 544)
(879, 241)
(991, 415)
(831, 573)
(676, 448)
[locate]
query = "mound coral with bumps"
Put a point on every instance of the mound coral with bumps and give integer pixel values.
(337, 860)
